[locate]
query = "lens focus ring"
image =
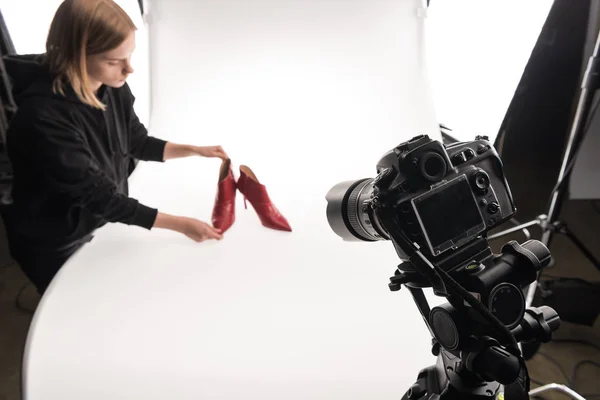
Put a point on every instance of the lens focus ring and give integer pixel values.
(354, 211)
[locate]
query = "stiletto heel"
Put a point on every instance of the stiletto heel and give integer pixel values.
(256, 194)
(245, 203)
(223, 215)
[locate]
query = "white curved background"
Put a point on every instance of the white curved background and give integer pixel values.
(307, 93)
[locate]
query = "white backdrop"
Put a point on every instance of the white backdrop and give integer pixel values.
(307, 93)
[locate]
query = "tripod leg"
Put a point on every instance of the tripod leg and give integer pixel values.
(561, 388)
(580, 245)
(427, 384)
(547, 237)
(517, 228)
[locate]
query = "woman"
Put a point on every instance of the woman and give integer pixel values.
(75, 139)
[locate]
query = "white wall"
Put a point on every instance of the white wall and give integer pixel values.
(28, 22)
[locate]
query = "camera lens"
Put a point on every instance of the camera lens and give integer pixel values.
(348, 215)
(432, 167)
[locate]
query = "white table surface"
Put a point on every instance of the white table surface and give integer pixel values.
(261, 314)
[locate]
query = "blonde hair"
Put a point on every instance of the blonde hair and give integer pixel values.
(83, 28)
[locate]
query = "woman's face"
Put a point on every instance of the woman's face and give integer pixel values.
(112, 68)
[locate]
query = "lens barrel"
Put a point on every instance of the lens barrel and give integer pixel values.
(349, 214)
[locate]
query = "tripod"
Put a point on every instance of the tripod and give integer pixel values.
(449, 379)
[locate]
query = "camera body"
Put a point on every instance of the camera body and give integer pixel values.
(444, 197)
(440, 197)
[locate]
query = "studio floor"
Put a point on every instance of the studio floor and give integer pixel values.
(573, 357)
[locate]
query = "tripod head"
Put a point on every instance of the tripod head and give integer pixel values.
(476, 350)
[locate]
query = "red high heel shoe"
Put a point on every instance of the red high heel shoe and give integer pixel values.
(256, 194)
(223, 214)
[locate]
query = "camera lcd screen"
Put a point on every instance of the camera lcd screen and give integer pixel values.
(448, 215)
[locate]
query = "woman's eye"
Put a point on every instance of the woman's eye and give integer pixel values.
(113, 63)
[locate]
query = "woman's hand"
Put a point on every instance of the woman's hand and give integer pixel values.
(196, 230)
(199, 231)
(212, 152)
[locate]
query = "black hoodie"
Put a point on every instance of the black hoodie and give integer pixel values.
(71, 161)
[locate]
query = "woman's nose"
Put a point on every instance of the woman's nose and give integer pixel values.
(128, 69)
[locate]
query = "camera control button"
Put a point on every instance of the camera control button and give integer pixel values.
(483, 202)
(458, 159)
(482, 149)
(493, 208)
(469, 154)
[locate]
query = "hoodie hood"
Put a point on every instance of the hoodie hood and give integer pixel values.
(29, 76)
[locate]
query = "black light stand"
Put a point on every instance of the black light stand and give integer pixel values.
(7, 109)
(549, 222)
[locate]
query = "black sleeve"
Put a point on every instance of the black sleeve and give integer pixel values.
(142, 146)
(68, 168)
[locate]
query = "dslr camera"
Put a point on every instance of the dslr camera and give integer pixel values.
(436, 203)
